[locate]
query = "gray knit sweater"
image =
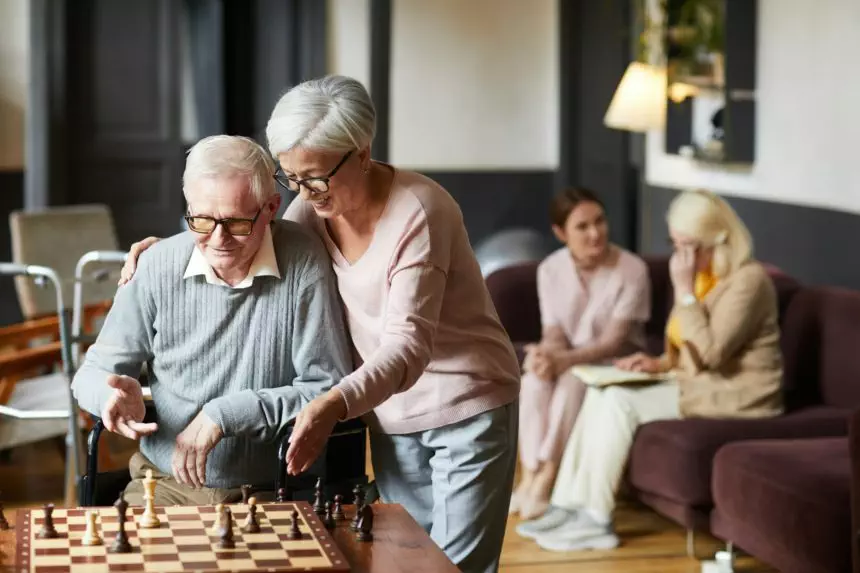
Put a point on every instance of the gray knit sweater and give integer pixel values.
(250, 358)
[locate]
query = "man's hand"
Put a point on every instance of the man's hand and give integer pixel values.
(124, 411)
(314, 425)
(131, 262)
(192, 448)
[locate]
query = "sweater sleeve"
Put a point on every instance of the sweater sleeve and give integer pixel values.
(417, 280)
(123, 345)
(320, 355)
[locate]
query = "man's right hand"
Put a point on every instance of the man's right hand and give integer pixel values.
(131, 262)
(124, 411)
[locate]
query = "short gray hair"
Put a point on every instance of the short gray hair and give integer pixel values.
(333, 113)
(232, 156)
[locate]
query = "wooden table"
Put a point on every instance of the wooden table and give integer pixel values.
(399, 544)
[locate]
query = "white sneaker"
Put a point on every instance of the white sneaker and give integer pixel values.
(550, 520)
(602, 541)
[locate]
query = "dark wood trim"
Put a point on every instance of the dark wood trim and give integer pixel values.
(380, 73)
(239, 26)
(570, 85)
(46, 176)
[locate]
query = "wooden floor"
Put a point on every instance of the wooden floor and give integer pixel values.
(650, 544)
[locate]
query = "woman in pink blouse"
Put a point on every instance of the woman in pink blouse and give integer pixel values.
(594, 302)
(437, 377)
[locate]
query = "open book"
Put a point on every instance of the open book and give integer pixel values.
(600, 376)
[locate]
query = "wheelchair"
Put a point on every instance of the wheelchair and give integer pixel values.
(340, 466)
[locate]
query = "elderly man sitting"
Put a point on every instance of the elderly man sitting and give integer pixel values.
(239, 323)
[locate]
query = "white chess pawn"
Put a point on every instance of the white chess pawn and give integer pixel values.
(91, 535)
(219, 519)
(148, 520)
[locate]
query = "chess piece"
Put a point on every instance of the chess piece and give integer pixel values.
(226, 541)
(328, 520)
(4, 525)
(251, 524)
(337, 510)
(91, 535)
(219, 519)
(365, 524)
(246, 494)
(294, 526)
(120, 543)
(148, 520)
(48, 531)
(319, 504)
(282, 495)
(358, 491)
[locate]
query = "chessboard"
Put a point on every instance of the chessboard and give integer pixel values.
(184, 541)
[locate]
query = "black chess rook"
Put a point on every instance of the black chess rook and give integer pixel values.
(48, 531)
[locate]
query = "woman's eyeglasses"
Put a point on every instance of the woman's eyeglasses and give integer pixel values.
(315, 185)
(234, 226)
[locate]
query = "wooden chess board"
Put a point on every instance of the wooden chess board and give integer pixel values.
(184, 542)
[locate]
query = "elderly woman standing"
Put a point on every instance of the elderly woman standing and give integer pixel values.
(438, 378)
(722, 360)
(595, 298)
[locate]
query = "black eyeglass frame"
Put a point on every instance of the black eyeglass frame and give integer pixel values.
(225, 222)
(299, 183)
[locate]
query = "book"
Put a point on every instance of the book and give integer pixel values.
(601, 376)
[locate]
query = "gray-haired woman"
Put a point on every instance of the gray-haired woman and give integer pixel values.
(438, 378)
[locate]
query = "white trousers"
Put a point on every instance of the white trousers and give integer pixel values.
(596, 453)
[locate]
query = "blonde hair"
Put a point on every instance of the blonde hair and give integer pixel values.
(334, 113)
(232, 156)
(711, 221)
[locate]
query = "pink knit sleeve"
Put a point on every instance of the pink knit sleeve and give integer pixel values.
(416, 287)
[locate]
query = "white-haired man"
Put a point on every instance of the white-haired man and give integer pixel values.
(240, 325)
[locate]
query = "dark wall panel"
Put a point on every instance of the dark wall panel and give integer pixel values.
(815, 245)
(11, 199)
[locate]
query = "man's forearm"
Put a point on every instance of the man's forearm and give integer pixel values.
(90, 388)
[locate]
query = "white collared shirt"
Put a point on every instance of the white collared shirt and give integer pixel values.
(264, 265)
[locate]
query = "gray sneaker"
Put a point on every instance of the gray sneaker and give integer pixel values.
(551, 519)
(593, 541)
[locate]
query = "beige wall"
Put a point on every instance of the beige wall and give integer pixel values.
(14, 50)
(808, 112)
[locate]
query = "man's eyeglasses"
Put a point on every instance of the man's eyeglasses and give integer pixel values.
(315, 185)
(233, 225)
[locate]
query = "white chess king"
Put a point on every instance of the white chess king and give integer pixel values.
(148, 520)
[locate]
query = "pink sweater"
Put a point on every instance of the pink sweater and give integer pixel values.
(430, 345)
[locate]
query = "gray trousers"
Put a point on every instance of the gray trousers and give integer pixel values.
(455, 481)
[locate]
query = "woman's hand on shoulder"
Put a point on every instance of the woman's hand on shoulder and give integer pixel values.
(639, 362)
(131, 262)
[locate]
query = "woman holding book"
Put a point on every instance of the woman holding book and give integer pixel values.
(594, 302)
(722, 360)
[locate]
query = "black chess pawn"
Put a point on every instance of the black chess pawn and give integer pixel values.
(328, 519)
(251, 523)
(120, 542)
(365, 524)
(282, 495)
(358, 491)
(48, 531)
(246, 494)
(226, 533)
(337, 510)
(294, 526)
(4, 525)
(319, 503)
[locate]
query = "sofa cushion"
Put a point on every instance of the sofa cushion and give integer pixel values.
(820, 339)
(673, 458)
(786, 502)
(513, 290)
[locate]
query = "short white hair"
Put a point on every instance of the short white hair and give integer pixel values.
(231, 156)
(333, 113)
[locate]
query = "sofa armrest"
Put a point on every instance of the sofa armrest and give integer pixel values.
(854, 447)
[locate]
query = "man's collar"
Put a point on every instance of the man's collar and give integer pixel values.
(264, 264)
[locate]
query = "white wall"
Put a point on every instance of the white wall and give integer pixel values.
(14, 81)
(349, 39)
(808, 112)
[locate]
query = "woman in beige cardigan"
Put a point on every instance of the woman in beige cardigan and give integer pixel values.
(722, 360)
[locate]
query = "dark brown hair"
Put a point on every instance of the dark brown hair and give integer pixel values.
(567, 200)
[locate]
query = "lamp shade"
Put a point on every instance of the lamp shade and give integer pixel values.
(639, 103)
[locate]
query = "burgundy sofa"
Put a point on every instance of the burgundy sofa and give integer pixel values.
(670, 467)
(789, 502)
